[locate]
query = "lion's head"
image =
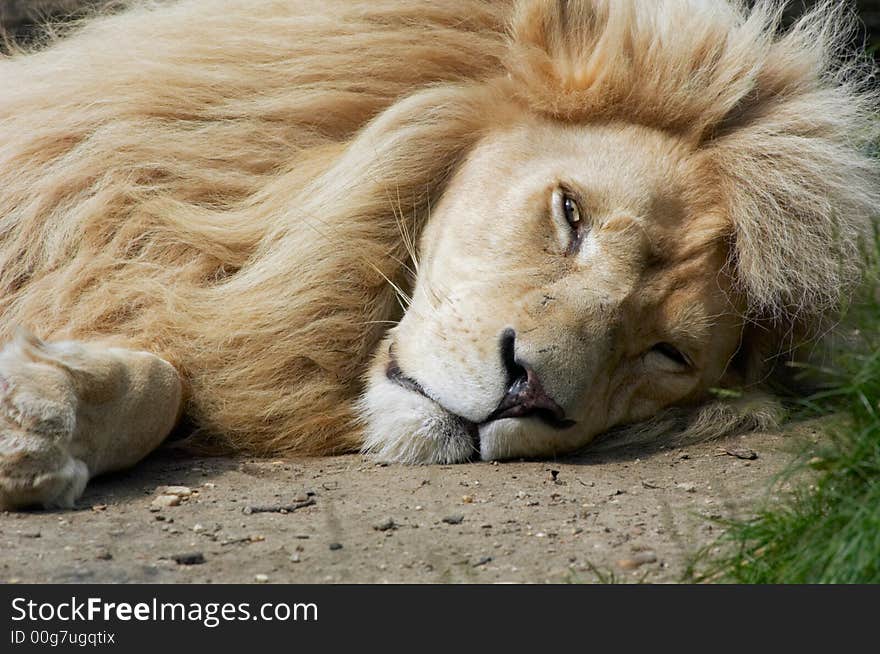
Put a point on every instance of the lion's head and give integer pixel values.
(659, 192)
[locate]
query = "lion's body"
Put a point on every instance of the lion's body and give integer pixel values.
(173, 180)
(633, 202)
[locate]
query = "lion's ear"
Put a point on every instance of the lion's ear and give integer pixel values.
(797, 174)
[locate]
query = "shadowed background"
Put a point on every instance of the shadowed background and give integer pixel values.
(20, 19)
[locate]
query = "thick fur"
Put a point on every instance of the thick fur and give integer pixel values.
(224, 183)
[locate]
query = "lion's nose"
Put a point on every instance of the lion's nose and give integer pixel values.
(525, 394)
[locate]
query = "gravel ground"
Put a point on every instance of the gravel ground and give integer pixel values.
(636, 513)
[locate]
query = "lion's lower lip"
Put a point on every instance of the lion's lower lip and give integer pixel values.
(546, 416)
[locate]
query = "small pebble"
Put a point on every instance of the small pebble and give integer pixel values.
(467, 499)
(453, 519)
(190, 558)
(636, 560)
(180, 491)
(386, 526)
(104, 555)
(742, 453)
(261, 578)
(687, 487)
(162, 501)
(335, 546)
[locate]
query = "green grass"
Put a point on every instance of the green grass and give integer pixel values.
(828, 529)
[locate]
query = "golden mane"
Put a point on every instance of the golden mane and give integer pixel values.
(224, 182)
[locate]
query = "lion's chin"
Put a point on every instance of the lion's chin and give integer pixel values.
(406, 427)
(435, 439)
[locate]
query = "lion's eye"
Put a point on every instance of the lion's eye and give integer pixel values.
(571, 227)
(570, 211)
(671, 355)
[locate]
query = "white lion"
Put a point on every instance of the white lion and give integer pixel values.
(434, 231)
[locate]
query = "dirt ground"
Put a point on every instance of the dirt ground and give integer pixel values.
(636, 513)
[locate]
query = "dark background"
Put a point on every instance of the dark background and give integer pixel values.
(18, 17)
(869, 11)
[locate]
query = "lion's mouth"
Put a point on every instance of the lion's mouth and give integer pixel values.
(552, 416)
(395, 374)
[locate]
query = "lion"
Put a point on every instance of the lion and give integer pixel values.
(432, 232)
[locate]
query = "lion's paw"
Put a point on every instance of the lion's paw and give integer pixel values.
(37, 423)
